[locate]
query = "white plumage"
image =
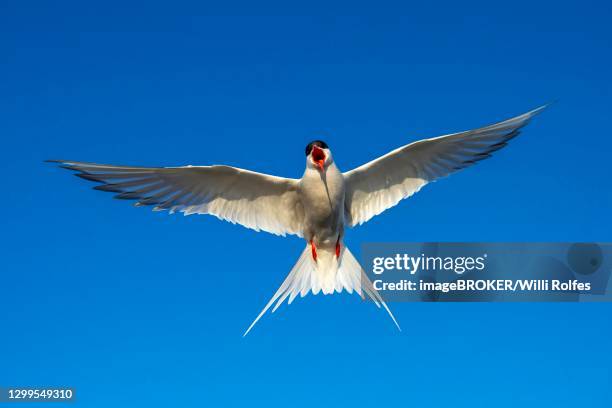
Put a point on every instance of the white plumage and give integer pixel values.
(382, 183)
(316, 207)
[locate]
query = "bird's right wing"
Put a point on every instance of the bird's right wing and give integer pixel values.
(382, 183)
(254, 200)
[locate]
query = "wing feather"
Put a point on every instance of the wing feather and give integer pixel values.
(257, 201)
(382, 183)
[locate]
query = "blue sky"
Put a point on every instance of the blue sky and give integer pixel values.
(134, 308)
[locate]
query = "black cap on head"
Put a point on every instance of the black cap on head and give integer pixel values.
(318, 143)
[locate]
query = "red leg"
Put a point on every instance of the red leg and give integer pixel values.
(338, 249)
(313, 248)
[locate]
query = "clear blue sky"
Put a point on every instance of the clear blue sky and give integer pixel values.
(135, 308)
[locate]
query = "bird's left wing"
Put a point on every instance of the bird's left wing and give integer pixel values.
(254, 200)
(382, 183)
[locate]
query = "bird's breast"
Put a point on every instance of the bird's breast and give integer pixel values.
(322, 196)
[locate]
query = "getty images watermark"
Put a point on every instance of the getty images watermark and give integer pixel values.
(489, 271)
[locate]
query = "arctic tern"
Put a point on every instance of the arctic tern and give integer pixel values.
(318, 207)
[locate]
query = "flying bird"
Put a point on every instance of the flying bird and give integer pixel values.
(318, 207)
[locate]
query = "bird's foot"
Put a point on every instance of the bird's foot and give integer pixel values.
(313, 248)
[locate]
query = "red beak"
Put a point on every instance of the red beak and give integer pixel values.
(318, 157)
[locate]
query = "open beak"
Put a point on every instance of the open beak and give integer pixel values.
(318, 157)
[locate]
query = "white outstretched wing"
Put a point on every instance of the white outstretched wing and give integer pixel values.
(254, 200)
(382, 183)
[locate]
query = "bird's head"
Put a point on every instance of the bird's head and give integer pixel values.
(318, 155)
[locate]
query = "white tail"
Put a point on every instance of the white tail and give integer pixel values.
(327, 275)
